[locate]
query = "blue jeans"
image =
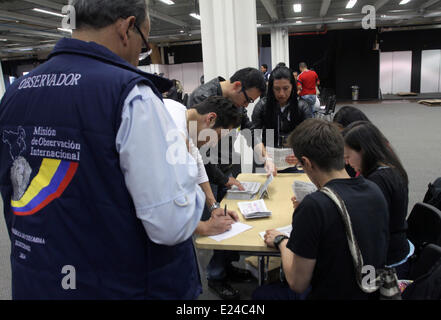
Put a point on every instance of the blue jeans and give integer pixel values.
(310, 100)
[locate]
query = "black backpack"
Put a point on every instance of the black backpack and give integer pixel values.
(433, 194)
(426, 286)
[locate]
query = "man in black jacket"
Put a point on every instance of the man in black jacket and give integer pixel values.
(243, 88)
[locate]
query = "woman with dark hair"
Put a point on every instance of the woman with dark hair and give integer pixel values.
(369, 152)
(343, 118)
(279, 110)
(347, 115)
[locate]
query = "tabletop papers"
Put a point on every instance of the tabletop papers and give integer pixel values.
(251, 188)
(302, 189)
(264, 190)
(254, 209)
(279, 155)
(236, 229)
(285, 230)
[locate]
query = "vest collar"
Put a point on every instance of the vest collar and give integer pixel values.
(99, 52)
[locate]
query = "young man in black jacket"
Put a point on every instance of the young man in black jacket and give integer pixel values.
(316, 256)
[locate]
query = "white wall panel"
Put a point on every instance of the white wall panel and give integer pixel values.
(402, 71)
(175, 72)
(188, 73)
(191, 75)
(386, 72)
(430, 71)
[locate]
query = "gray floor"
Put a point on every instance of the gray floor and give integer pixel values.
(414, 131)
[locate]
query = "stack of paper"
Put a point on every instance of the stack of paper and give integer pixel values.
(251, 188)
(302, 189)
(254, 209)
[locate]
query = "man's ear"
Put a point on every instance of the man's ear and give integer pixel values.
(123, 26)
(211, 119)
(237, 86)
(306, 163)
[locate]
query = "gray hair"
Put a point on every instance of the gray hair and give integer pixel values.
(102, 13)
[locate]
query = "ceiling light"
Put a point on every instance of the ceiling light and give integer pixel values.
(3, 40)
(297, 7)
(195, 15)
(340, 19)
(49, 12)
(65, 30)
(259, 25)
(182, 31)
(404, 2)
(169, 2)
(299, 21)
(351, 4)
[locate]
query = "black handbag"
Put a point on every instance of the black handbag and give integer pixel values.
(385, 278)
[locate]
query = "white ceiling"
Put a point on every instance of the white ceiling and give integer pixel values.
(24, 32)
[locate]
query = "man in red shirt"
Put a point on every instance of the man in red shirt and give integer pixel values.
(306, 85)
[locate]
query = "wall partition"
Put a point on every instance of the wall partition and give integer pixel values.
(188, 73)
(431, 71)
(395, 72)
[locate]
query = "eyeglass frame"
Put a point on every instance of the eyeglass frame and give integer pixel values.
(144, 55)
(249, 100)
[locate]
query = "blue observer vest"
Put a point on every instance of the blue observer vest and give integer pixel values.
(72, 223)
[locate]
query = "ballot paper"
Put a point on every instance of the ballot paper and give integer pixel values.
(254, 209)
(279, 155)
(285, 230)
(236, 229)
(264, 190)
(251, 188)
(302, 189)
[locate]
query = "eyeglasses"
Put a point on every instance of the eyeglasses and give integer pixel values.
(146, 50)
(249, 100)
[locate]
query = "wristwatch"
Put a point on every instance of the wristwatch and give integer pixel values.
(278, 239)
(214, 206)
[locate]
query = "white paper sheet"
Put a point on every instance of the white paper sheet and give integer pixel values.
(250, 187)
(264, 188)
(285, 230)
(279, 155)
(301, 189)
(236, 229)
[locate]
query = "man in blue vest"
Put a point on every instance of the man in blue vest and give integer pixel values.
(93, 208)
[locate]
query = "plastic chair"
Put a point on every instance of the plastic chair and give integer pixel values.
(328, 113)
(426, 274)
(430, 254)
(424, 225)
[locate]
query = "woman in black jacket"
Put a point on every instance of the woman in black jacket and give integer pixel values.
(279, 111)
(369, 152)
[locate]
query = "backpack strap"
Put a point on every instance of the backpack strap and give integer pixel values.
(386, 279)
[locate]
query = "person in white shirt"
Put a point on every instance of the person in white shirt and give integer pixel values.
(219, 115)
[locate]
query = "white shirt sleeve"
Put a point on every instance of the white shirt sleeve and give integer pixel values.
(178, 112)
(160, 174)
(202, 174)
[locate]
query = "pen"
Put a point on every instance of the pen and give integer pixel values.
(225, 211)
